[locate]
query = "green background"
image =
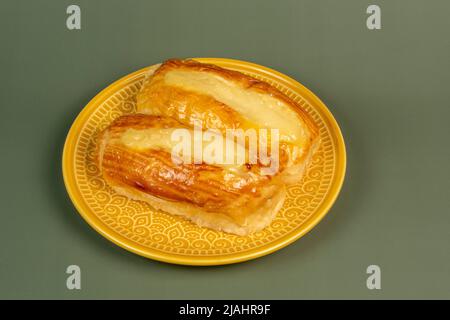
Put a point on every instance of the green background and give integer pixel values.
(388, 89)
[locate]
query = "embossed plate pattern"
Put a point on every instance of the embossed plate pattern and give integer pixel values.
(137, 227)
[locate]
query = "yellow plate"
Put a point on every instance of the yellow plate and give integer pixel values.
(137, 227)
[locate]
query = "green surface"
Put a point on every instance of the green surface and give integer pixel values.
(388, 89)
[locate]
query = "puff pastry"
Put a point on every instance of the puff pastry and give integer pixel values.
(192, 92)
(134, 152)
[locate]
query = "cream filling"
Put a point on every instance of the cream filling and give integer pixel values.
(189, 146)
(259, 108)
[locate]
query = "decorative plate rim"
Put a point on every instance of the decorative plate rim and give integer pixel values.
(68, 159)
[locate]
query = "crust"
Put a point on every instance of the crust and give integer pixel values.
(254, 222)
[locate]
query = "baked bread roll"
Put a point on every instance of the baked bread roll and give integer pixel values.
(135, 153)
(192, 92)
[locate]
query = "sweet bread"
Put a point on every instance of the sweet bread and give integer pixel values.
(135, 153)
(193, 92)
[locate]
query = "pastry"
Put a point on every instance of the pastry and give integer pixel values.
(193, 92)
(135, 153)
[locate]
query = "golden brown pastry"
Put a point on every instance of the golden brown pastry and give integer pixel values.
(135, 159)
(193, 92)
(134, 152)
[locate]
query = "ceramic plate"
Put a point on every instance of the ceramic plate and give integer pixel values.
(137, 227)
